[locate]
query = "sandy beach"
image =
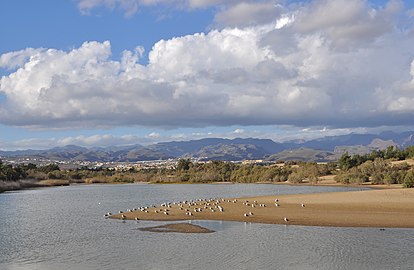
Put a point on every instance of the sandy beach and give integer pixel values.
(389, 208)
(177, 228)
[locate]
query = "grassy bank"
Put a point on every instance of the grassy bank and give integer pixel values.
(30, 183)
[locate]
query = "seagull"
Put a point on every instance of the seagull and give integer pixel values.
(286, 219)
(302, 205)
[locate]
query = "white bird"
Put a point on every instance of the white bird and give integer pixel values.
(286, 219)
(302, 205)
(246, 215)
(276, 204)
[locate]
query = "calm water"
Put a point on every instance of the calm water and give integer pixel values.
(64, 228)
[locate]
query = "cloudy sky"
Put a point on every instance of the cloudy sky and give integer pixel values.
(104, 72)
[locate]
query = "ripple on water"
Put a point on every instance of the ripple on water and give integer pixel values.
(63, 228)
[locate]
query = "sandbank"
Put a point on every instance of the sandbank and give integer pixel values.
(389, 208)
(177, 228)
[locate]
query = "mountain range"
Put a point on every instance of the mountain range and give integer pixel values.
(322, 149)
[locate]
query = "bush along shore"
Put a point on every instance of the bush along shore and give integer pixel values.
(385, 167)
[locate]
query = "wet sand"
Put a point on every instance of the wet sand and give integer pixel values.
(389, 208)
(177, 228)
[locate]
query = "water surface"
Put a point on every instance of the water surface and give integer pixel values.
(64, 228)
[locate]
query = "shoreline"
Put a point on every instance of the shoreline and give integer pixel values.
(25, 184)
(376, 208)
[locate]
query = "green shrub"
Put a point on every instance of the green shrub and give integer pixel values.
(409, 180)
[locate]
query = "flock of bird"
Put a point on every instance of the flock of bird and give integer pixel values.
(195, 206)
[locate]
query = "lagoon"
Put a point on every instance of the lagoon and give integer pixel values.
(64, 228)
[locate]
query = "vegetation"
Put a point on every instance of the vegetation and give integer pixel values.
(374, 167)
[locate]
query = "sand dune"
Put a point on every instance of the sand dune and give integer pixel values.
(369, 208)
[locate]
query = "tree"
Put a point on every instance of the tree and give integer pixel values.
(409, 151)
(183, 165)
(409, 179)
(49, 168)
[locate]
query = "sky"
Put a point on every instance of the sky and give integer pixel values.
(116, 72)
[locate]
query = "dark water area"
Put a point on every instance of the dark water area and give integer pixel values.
(64, 228)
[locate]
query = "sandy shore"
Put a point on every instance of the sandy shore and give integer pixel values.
(177, 228)
(389, 208)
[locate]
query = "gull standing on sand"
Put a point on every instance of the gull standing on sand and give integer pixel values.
(286, 219)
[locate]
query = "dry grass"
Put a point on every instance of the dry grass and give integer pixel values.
(408, 161)
(16, 185)
(53, 182)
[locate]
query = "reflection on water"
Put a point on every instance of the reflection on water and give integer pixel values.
(64, 228)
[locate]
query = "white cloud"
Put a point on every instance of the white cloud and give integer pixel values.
(247, 13)
(14, 60)
(238, 131)
(154, 135)
(347, 22)
(322, 73)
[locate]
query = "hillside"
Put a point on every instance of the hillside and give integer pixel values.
(322, 149)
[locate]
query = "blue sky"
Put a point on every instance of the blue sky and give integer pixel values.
(104, 72)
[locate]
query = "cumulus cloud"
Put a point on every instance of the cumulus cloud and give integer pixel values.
(17, 59)
(353, 69)
(247, 14)
(347, 21)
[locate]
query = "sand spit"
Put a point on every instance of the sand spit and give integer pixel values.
(177, 228)
(389, 208)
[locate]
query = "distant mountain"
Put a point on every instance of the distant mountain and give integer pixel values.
(304, 154)
(330, 142)
(234, 152)
(322, 149)
(193, 147)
